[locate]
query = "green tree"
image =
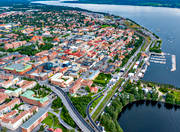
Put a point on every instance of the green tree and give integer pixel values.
(170, 98)
(41, 128)
(87, 89)
(118, 128)
(148, 96)
(57, 103)
(131, 98)
(111, 126)
(66, 117)
(81, 103)
(154, 96)
(4, 129)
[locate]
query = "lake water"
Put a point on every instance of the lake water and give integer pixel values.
(165, 22)
(148, 117)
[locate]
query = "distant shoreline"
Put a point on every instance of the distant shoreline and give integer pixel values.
(74, 3)
(114, 3)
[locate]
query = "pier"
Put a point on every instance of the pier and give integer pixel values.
(159, 54)
(161, 62)
(173, 63)
(158, 58)
(161, 59)
(155, 56)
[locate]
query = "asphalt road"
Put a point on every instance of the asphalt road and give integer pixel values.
(89, 116)
(130, 62)
(75, 115)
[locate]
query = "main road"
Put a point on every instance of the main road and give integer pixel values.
(130, 62)
(76, 116)
(89, 116)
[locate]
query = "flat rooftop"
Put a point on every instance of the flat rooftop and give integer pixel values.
(29, 94)
(34, 118)
(18, 67)
(13, 91)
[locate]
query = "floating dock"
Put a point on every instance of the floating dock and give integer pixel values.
(173, 63)
(160, 59)
(155, 56)
(161, 62)
(160, 54)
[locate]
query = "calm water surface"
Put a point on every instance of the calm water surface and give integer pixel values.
(147, 117)
(165, 22)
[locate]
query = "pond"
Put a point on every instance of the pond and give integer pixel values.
(146, 116)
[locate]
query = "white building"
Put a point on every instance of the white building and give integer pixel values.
(7, 107)
(12, 121)
(60, 80)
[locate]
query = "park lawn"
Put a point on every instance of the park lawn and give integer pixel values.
(66, 35)
(18, 29)
(102, 79)
(104, 26)
(132, 25)
(147, 40)
(57, 111)
(107, 98)
(48, 120)
(52, 118)
(81, 104)
(176, 94)
(96, 102)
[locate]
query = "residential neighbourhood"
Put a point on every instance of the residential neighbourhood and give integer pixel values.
(50, 60)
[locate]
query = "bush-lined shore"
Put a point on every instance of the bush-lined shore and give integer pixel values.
(135, 92)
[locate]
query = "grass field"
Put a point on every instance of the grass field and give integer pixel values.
(53, 122)
(95, 103)
(174, 92)
(102, 79)
(107, 98)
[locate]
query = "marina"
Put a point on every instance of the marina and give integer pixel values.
(158, 58)
(173, 63)
(161, 59)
